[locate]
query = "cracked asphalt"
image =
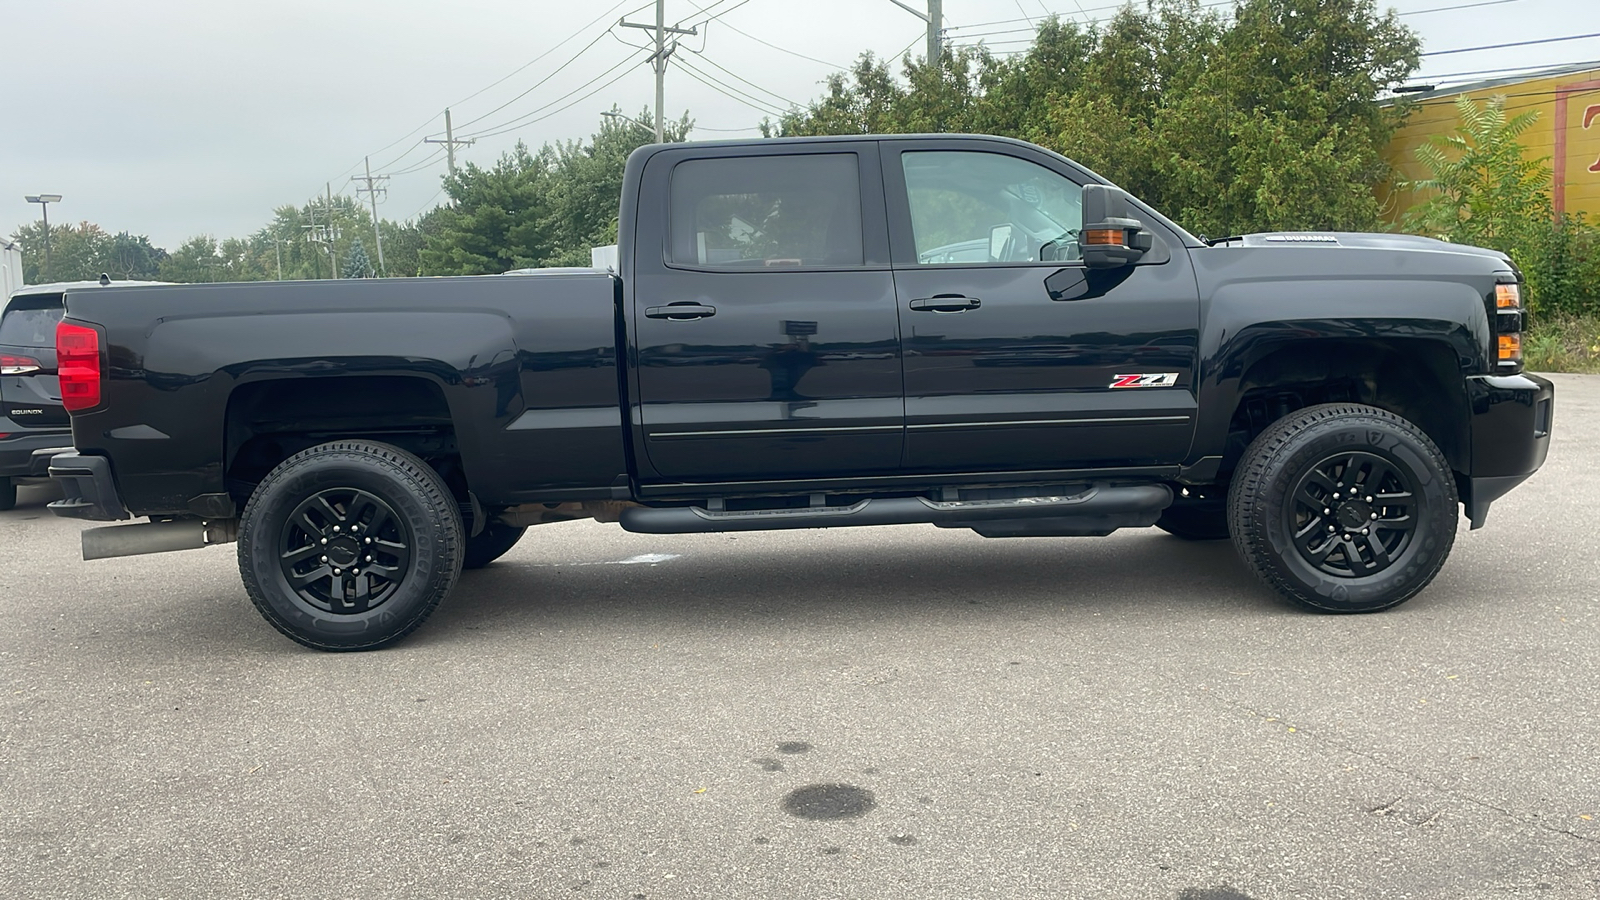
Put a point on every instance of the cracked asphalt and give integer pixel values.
(900, 712)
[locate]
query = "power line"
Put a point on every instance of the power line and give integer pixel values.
(541, 82)
(1090, 21)
(553, 48)
(518, 122)
(417, 167)
(558, 45)
(709, 61)
(1531, 69)
(710, 17)
(558, 110)
(1418, 12)
(1509, 107)
(1553, 40)
(426, 204)
(755, 103)
(765, 43)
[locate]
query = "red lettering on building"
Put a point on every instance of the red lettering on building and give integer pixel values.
(1589, 117)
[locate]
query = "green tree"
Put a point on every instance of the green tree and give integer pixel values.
(356, 263)
(84, 251)
(1482, 189)
(196, 260)
(1262, 120)
(535, 209)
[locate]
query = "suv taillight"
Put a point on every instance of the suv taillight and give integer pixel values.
(78, 365)
(18, 365)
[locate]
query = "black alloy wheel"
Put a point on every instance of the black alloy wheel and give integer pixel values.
(1351, 514)
(1344, 508)
(350, 545)
(344, 551)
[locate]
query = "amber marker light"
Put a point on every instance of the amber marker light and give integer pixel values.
(1507, 296)
(1510, 347)
(1103, 237)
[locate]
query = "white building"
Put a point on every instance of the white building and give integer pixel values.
(10, 268)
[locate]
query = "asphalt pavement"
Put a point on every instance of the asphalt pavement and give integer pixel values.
(902, 712)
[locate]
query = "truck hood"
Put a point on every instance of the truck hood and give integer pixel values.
(1357, 240)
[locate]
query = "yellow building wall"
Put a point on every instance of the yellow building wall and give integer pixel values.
(1567, 133)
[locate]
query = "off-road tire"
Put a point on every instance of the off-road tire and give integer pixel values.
(1196, 520)
(8, 494)
(1291, 455)
(493, 542)
(428, 524)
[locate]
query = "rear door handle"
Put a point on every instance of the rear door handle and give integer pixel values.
(680, 311)
(946, 303)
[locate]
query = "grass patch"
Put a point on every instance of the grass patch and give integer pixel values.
(1563, 344)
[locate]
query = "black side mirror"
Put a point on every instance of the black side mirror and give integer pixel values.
(1111, 236)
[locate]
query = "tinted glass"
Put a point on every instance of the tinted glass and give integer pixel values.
(31, 322)
(959, 198)
(767, 212)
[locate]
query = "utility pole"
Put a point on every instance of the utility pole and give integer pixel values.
(935, 19)
(658, 59)
(333, 235)
(374, 184)
(449, 143)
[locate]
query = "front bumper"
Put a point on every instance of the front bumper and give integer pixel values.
(1511, 420)
(88, 491)
(26, 454)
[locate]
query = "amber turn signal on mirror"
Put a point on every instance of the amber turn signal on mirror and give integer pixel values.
(1104, 237)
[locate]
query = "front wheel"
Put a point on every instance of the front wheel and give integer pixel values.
(1344, 508)
(349, 545)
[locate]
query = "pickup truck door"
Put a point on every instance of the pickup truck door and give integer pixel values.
(765, 336)
(1016, 363)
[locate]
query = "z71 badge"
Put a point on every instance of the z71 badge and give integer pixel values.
(1147, 379)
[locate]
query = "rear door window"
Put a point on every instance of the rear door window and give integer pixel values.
(799, 211)
(31, 321)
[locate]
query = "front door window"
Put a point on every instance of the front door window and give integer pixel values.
(969, 207)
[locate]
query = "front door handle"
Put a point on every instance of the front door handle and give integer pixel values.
(680, 311)
(946, 303)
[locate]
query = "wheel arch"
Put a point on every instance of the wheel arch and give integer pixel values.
(269, 420)
(1419, 379)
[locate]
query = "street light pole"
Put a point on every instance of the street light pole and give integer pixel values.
(613, 114)
(44, 201)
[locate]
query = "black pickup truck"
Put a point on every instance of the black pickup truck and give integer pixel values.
(965, 331)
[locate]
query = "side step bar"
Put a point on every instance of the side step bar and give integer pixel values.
(1098, 509)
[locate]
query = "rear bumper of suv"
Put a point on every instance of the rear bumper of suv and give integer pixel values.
(27, 454)
(88, 491)
(1511, 422)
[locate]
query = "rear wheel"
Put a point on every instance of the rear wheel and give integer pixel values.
(349, 545)
(493, 542)
(8, 494)
(1344, 508)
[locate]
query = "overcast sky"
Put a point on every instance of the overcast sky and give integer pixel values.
(182, 118)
